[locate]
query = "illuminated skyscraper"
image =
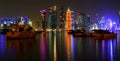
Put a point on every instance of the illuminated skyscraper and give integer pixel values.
(43, 18)
(73, 20)
(83, 22)
(102, 23)
(119, 19)
(62, 17)
(88, 22)
(52, 17)
(68, 20)
(7, 21)
(80, 20)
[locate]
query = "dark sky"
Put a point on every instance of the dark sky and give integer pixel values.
(9, 8)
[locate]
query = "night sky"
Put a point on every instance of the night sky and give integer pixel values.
(10, 8)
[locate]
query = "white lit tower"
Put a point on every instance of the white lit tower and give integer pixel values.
(52, 17)
(50, 11)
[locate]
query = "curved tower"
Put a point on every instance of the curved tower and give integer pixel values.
(43, 18)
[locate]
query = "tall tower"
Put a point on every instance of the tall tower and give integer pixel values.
(52, 17)
(50, 12)
(43, 18)
(68, 20)
(119, 19)
(88, 22)
(62, 17)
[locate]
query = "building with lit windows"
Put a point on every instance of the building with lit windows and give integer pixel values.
(88, 22)
(68, 19)
(81, 21)
(119, 19)
(52, 17)
(7, 21)
(62, 17)
(43, 18)
(73, 20)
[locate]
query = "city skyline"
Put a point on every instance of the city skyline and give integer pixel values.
(31, 8)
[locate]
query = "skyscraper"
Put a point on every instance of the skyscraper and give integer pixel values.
(62, 17)
(119, 19)
(43, 18)
(68, 20)
(88, 22)
(52, 17)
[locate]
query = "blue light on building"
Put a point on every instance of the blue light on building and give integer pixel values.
(7, 21)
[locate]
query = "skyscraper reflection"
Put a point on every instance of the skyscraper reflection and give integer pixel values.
(50, 45)
(110, 50)
(68, 47)
(43, 46)
(2, 46)
(103, 49)
(55, 52)
(73, 48)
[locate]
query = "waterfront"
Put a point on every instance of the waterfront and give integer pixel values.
(59, 46)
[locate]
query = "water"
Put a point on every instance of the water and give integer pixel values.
(59, 46)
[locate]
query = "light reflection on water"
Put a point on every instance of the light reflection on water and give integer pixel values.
(2, 46)
(43, 47)
(68, 47)
(55, 52)
(59, 46)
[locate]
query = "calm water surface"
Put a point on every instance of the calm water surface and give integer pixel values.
(59, 46)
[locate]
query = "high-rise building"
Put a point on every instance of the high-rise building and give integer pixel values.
(119, 19)
(102, 23)
(7, 21)
(52, 17)
(88, 22)
(43, 18)
(68, 20)
(62, 17)
(83, 21)
(80, 20)
(73, 20)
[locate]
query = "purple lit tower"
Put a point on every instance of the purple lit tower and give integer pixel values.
(43, 18)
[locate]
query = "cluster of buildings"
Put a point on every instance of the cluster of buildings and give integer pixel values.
(7, 21)
(68, 19)
(65, 19)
